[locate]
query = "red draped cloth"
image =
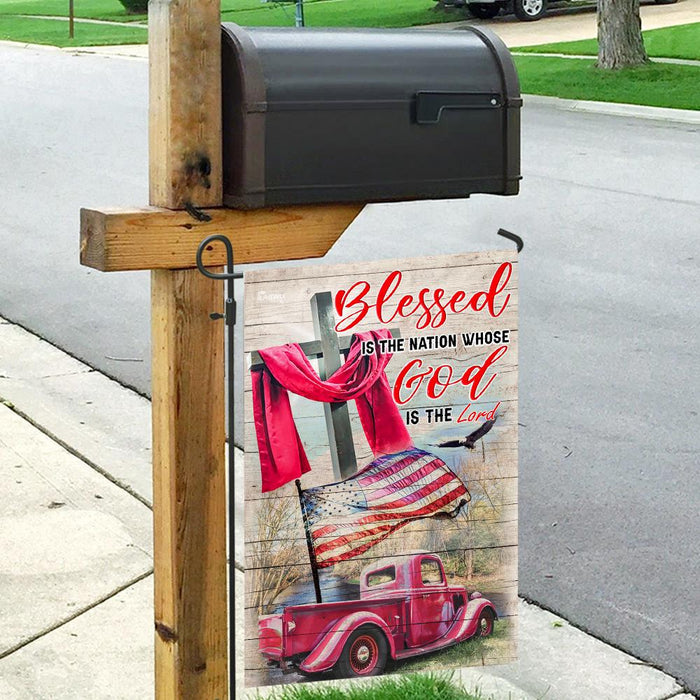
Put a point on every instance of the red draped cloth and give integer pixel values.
(362, 378)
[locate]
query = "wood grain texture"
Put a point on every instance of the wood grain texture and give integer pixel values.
(189, 495)
(184, 42)
(187, 368)
(152, 238)
(278, 311)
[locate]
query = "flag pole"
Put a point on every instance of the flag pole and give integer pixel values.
(309, 544)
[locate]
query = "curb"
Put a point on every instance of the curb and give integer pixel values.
(26, 45)
(129, 51)
(683, 116)
(589, 57)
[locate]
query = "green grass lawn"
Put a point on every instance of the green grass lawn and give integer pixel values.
(671, 42)
(324, 13)
(55, 33)
(319, 13)
(339, 13)
(91, 9)
(656, 84)
(414, 687)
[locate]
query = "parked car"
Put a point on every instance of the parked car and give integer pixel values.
(525, 10)
(406, 608)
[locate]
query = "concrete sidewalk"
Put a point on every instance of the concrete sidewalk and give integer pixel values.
(76, 571)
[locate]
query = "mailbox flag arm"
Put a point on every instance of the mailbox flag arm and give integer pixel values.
(430, 105)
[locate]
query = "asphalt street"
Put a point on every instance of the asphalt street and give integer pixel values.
(610, 216)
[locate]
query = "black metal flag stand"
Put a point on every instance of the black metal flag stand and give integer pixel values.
(229, 317)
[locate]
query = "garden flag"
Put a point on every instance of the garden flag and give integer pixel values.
(381, 466)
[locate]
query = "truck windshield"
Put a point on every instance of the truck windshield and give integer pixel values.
(430, 571)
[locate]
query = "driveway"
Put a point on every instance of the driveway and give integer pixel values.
(568, 25)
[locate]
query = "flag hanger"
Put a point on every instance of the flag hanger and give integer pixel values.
(229, 317)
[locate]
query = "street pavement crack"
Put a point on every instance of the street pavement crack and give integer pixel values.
(87, 370)
(612, 190)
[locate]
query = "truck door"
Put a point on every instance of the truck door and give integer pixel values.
(432, 610)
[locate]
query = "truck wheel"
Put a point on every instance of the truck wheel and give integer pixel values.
(364, 654)
(529, 10)
(484, 10)
(484, 626)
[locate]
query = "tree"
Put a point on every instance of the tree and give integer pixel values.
(620, 42)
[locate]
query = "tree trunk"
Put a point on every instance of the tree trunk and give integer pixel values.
(620, 43)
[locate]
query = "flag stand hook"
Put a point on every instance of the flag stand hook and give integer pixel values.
(229, 317)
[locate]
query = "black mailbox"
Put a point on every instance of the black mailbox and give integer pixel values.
(338, 115)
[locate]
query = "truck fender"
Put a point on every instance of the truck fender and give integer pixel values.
(327, 652)
(464, 625)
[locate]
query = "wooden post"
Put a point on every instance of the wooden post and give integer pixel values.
(189, 494)
(189, 471)
(184, 51)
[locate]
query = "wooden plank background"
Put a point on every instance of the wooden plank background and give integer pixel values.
(278, 311)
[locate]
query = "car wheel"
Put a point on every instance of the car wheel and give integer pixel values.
(484, 626)
(364, 654)
(484, 10)
(529, 10)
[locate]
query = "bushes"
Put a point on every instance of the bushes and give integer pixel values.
(135, 7)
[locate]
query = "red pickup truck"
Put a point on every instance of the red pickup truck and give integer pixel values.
(406, 608)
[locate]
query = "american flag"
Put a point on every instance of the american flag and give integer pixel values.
(345, 519)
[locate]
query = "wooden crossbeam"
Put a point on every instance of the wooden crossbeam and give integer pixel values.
(150, 238)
